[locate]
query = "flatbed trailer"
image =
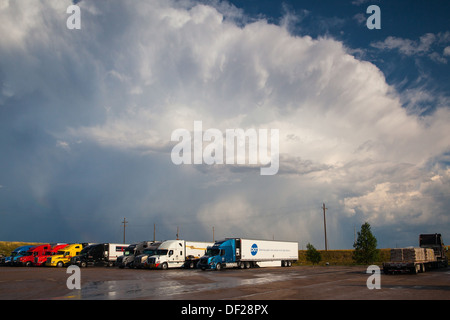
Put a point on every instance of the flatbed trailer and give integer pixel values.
(413, 267)
(430, 255)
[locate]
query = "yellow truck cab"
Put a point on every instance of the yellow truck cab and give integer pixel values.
(62, 258)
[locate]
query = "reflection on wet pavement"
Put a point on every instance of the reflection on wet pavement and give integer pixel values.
(167, 286)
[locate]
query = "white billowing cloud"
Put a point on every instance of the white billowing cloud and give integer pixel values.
(447, 51)
(161, 65)
(418, 200)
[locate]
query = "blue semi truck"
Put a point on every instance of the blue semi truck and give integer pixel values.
(16, 254)
(249, 253)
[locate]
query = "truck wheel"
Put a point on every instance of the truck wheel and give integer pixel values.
(60, 264)
(164, 266)
(83, 264)
(191, 265)
(218, 267)
(415, 269)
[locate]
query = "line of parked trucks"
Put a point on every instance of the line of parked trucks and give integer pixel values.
(227, 253)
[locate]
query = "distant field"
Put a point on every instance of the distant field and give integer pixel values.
(344, 257)
(6, 247)
(339, 257)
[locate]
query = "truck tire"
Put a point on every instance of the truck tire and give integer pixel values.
(164, 266)
(218, 267)
(60, 264)
(415, 269)
(83, 264)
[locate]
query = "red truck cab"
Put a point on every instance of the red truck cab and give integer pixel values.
(28, 257)
(40, 260)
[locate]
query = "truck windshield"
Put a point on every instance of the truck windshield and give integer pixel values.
(212, 252)
(85, 250)
(162, 252)
(151, 252)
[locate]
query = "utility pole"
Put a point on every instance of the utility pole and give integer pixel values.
(325, 226)
(154, 232)
(177, 233)
(124, 225)
(213, 234)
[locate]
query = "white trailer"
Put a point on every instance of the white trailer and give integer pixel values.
(269, 250)
(247, 253)
(178, 253)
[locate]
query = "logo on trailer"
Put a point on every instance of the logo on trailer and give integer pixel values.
(254, 249)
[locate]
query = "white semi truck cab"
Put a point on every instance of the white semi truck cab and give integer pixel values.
(177, 254)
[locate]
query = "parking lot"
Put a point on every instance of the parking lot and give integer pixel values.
(295, 283)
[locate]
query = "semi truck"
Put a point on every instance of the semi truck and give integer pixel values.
(15, 254)
(99, 254)
(141, 260)
(431, 254)
(28, 257)
(128, 259)
(41, 259)
(249, 253)
(178, 253)
(63, 256)
(435, 242)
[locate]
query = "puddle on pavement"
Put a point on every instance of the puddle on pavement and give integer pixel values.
(165, 288)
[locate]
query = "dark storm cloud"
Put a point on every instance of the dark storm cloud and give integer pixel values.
(86, 118)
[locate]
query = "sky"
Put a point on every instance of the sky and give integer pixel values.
(87, 116)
